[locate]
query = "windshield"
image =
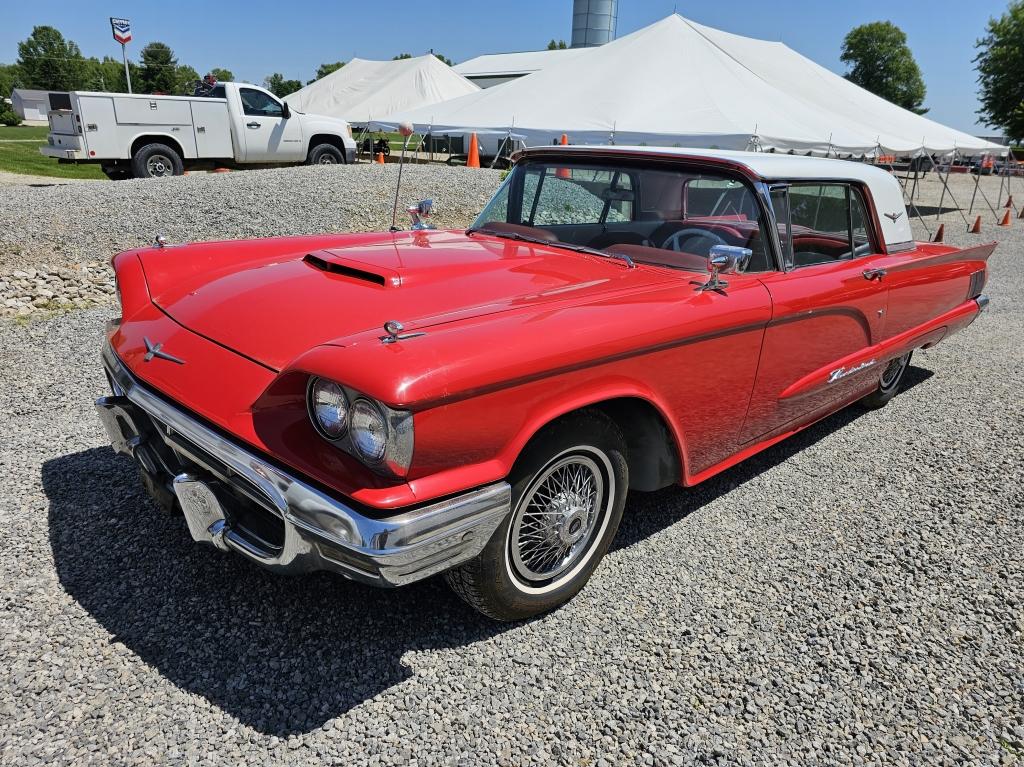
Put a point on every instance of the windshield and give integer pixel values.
(658, 214)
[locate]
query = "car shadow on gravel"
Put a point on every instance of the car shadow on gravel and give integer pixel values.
(283, 655)
(648, 513)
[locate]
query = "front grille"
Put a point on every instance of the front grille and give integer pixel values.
(250, 512)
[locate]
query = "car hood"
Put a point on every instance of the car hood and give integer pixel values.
(271, 300)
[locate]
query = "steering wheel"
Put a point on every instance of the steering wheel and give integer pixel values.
(691, 240)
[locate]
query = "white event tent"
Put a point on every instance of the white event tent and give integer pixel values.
(679, 83)
(363, 89)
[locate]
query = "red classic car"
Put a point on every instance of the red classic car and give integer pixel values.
(390, 406)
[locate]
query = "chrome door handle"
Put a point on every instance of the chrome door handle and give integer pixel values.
(874, 274)
(253, 124)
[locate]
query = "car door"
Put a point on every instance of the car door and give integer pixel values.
(269, 135)
(828, 309)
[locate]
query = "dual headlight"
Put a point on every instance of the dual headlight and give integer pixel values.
(375, 434)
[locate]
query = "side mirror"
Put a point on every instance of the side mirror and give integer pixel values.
(419, 212)
(286, 111)
(725, 259)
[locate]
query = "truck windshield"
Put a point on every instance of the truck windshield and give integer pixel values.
(656, 214)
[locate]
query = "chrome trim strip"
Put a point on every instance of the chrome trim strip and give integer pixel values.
(319, 529)
(982, 302)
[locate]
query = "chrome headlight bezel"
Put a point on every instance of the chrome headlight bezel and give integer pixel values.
(398, 426)
(311, 408)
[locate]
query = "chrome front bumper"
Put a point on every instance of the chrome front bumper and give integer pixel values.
(237, 500)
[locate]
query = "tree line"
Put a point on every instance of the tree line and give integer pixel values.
(877, 56)
(49, 61)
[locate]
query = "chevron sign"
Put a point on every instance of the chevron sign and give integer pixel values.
(122, 29)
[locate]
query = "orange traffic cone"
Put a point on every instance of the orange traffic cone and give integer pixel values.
(380, 158)
(1009, 202)
(563, 172)
(976, 229)
(473, 161)
(1006, 219)
(940, 233)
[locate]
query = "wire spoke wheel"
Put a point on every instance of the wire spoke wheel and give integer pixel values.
(893, 371)
(557, 517)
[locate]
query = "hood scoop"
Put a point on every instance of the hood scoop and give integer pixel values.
(327, 261)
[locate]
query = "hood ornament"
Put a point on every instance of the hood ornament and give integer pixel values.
(419, 213)
(394, 329)
(154, 350)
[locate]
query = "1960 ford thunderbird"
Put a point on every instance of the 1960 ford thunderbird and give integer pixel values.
(391, 406)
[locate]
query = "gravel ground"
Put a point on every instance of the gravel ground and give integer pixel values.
(56, 239)
(852, 596)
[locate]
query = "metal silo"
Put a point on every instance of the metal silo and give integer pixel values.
(593, 22)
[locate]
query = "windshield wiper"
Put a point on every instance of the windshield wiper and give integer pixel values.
(557, 244)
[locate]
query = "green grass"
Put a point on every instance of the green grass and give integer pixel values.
(25, 158)
(24, 132)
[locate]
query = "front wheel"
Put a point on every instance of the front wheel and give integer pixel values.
(325, 154)
(568, 492)
(888, 383)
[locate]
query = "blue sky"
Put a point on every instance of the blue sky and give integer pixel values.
(256, 38)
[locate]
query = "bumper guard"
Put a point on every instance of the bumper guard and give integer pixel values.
(213, 478)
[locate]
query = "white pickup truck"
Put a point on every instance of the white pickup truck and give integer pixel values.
(234, 125)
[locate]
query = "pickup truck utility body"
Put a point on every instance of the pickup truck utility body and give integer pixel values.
(235, 125)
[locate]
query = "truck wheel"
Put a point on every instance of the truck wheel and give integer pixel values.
(156, 161)
(888, 383)
(325, 154)
(568, 492)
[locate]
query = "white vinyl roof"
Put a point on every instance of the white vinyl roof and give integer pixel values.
(514, 64)
(363, 89)
(885, 188)
(680, 83)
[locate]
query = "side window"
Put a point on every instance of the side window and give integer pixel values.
(259, 104)
(859, 225)
(553, 196)
(821, 223)
(780, 204)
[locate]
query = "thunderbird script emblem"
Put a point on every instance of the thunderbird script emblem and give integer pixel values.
(153, 350)
(894, 216)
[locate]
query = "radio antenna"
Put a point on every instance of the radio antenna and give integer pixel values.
(405, 129)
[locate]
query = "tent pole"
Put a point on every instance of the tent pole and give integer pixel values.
(945, 188)
(999, 201)
(942, 197)
(985, 196)
(913, 205)
(1009, 180)
(974, 194)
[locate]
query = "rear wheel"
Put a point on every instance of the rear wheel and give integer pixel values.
(156, 161)
(325, 154)
(888, 383)
(568, 492)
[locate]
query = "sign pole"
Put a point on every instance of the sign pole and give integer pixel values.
(127, 74)
(122, 29)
